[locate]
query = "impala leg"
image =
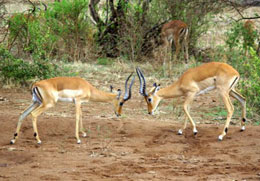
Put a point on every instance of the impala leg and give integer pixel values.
(78, 109)
(242, 102)
(169, 47)
(230, 110)
(185, 123)
(178, 48)
(186, 108)
(35, 115)
(186, 49)
(82, 129)
(21, 118)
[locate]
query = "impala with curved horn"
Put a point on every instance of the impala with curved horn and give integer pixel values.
(46, 93)
(196, 81)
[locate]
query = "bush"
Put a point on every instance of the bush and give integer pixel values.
(248, 67)
(61, 31)
(19, 72)
(67, 20)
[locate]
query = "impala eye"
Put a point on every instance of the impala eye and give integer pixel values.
(149, 99)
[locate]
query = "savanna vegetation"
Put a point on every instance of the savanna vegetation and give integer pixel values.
(42, 42)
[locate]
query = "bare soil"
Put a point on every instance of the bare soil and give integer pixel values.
(135, 147)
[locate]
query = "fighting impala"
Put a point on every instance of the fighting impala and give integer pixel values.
(46, 93)
(176, 31)
(194, 82)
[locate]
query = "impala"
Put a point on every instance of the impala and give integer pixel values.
(176, 31)
(46, 93)
(196, 81)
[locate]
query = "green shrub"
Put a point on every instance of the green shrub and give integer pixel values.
(19, 72)
(67, 20)
(61, 31)
(247, 66)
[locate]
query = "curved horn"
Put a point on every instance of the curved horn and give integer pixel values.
(140, 79)
(128, 91)
(142, 85)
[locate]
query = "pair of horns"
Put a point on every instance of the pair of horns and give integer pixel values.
(142, 82)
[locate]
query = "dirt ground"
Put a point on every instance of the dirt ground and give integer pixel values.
(135, 147)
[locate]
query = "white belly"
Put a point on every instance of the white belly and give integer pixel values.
(68, 95)
(207, 85)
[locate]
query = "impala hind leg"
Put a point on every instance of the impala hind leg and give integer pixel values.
(230, 110)
(37, 112)
(242, 102)
(32, 107)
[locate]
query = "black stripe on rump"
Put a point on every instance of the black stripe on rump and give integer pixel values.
(233, 82)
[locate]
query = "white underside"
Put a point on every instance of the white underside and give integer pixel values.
(206, 90)
(68, 95)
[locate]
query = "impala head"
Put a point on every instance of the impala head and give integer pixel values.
(151, 98)
(119, 102)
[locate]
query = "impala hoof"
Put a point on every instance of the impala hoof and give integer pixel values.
(180, 132)
(84, 135)
(220, 138)
(39, 142)
(195, 131)
(243, 128)
(12, 142)
(78, 141)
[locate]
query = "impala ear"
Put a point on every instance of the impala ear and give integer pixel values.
(157, 88)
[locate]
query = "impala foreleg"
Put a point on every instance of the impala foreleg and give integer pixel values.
(82, 129)
(177, 47)
(32, 107)
(242, 102)
(78, 110)
(230, 110)
(186, 108)
(180, 131)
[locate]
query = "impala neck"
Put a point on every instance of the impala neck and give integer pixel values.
(171, 91)
(101, 96)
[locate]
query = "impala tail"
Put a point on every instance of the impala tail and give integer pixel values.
(37, 101)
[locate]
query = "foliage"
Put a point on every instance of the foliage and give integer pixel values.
(247, 66)
(62, 31)
(19, 72)
(68, 21)
(239, 37)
